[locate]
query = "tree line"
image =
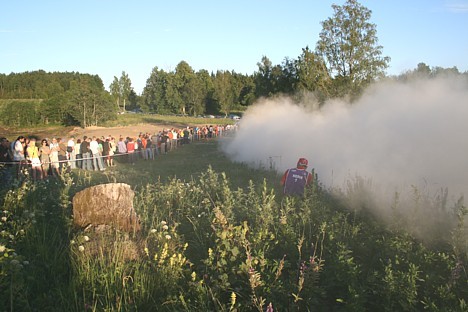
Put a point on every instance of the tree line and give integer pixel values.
(347, 58)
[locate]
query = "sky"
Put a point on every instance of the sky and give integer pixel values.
(106, 37)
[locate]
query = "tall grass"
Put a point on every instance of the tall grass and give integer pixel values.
(219, 238)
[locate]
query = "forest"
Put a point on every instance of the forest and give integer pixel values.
(347, 59)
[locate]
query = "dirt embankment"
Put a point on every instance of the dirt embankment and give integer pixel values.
(77, 132)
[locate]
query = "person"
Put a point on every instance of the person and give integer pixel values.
(44, 153)
(32, 153)
(296, 179)
(186, 134)
(122, 149)
(17, 148)
(112, 149)
(131, 151)
(71, 152)
(154, 144)
(54, 158)
(78, 155)
(106, 151)
(86, 154)
(97, 159)
(62, 155)
(164, 142)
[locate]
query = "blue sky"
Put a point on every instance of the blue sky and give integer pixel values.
(107, 37)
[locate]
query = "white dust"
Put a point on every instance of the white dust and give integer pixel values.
(397, 135)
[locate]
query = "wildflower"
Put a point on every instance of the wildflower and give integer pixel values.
(153, 231)
(270, 308)
(14, 262)
(194, 276)
(163, 222)
(168, 236)
(86, 238)
(165, 227)
(4, 219)
(72, 242)
(25, 262)
(2, 248)
(233, 299)
(81, 248)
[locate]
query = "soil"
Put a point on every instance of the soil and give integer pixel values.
(77, 132)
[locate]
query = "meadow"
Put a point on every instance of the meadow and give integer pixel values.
(219, 236)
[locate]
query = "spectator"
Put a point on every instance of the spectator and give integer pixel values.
(54, 159)
(71, 152)
(62, 155)
(44, 154)
(32, 153)
(78, 154)
(86, 153)
(131, 151)
(97, 159)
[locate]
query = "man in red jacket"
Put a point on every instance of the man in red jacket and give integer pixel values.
(296, 179)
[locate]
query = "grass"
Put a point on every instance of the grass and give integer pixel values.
(135, 119)
(186, 163)
(216, 236)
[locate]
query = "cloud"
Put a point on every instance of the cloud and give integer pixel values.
(457, 7)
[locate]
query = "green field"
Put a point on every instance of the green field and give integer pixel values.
(218, 236)
(134, 119)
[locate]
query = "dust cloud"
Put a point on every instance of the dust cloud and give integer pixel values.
(398, 135)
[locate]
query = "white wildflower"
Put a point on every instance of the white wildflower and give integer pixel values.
(14, 262)
(168, 236)
(86, 238)
(4, 219)
(163, 222)
(2, 248)
(25, 262)
(165, 227)
(153, 231)
(81, 248)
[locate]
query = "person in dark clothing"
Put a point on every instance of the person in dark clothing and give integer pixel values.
(296, 179)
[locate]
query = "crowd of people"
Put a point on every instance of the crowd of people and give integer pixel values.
(43, 158)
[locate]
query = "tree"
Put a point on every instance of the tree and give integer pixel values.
(187, 87)
(207, 87)
(87, 103)
(223, 91)
(263, 83)
(115, 91)
(349, 45)
(125, 85)
(311, 75)
(154, 93)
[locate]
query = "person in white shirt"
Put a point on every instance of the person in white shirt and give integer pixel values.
(71, 152)
(97, 159)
